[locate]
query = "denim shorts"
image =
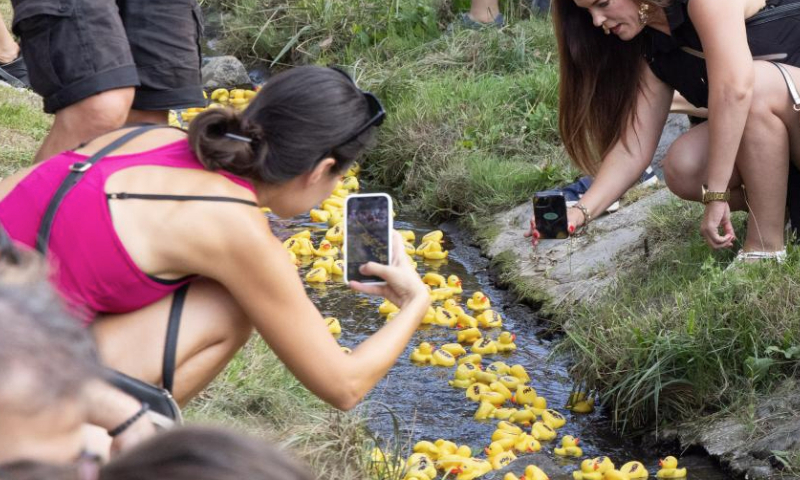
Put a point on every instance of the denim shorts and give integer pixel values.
(77, 48)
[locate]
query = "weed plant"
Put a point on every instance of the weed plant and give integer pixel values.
(681, 335)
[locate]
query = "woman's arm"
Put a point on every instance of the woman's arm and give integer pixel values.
(252, 264)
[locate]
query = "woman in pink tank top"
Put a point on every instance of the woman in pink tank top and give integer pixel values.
(165, 210)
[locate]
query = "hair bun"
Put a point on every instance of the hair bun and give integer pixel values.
(216, 151)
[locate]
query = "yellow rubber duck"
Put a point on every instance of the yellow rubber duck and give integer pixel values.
(434, 251)
(473, 358)
(454, 349)
(455, 284)
(580, 403)
(427, 448)
(484, 411)
(542, 432)
(464, 375)
(300, 246)
(539, 405)
(422, 354)
(475, 391)
(472, 468)
(523, 416)
(615, 475)
(498, 368)
(317, 275)
(469, 335)
(408, 236)
(569, 447)
(478, 302)
(326, 263)
(501, 389)
(524, 395)
(506, 438)
(409, 248)
(333, 325)
(387, 307)
(302, 234)
(434, 280)
(604, 464)
(335, 234)
(353, 171)
(446, 447)
(485, 377)
(434, 236)
(326, 249)
(553, 419)
(220, 95)
(493, 397)
(438, 294)
(498, 456)
(669, 468)
(532, 472)
(527, 443)
(420, 463)
(490, 319)
(510, 476)
(466, 321)
(335, 202)
(350, 183)
(508, 427)
(519, 372)
(509, 382)
(505, 342)
(441, 358)
(635, 469)
(320, 216)
(485, 346)
(445, 318)
(503, 413)
(430, 317)
(338, 268)
(588, 471)
(452, 306)
(336, 218)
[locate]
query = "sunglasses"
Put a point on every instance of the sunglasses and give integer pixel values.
(376, 112)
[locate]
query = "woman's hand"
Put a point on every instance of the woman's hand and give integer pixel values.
(574, 220)
(403, 285)
(717, 216)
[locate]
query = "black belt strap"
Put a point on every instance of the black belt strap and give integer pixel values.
(77, 170)
(171, 345)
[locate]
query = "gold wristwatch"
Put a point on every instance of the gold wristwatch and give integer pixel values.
(709, 197)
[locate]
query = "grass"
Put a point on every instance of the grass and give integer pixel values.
(23, 126)
(680, 336)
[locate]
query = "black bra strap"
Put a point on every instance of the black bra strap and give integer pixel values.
(77, 170)
(203, 198)
(171, 345)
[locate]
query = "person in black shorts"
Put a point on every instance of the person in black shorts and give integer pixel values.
(12, 65)
(99, 64)
(621, 61)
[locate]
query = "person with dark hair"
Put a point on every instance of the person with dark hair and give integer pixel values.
(191, 453)
(170, 223)
(621, 60)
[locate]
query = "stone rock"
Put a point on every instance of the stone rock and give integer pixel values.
(224, 72)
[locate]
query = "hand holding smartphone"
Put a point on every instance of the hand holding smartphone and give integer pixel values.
(550, 212)
(367, 234)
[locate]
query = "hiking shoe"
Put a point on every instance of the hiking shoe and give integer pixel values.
(15, 73)
(648, 178)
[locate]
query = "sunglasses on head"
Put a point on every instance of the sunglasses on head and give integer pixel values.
(376, 112)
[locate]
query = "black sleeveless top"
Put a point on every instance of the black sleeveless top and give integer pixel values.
(772, 33)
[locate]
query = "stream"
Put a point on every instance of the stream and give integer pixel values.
(427, 408)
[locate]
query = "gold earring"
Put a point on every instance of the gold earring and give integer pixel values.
(644, 13)
(606, 30)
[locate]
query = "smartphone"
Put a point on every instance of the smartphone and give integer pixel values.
(550, 212)
(367, 234)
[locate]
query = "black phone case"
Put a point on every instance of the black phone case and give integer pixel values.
(550, 211)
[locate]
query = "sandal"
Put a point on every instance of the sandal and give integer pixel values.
(15, 73)
(743, 258)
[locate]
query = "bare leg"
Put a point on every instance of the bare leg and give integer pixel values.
(147, 116)
(484, 11)
(9, 50)
(213, 328)
(86, 120)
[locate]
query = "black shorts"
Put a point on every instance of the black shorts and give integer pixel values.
(78, 48)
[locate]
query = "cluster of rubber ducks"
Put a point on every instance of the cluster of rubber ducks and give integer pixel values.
(602, 468)
(238, 98)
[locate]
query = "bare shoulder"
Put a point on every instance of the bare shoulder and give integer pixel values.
(147, 141)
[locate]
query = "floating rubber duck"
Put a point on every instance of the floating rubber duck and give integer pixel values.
(426, 447)
(498, 456)
(336, 218)
(469, 335)
(333, 325)
(455, 284)
(501, 389)
(320, 216)
(505, 342)
(532, 472)
(434, 236)
(385, 465)
(527, 443)
(446, 447)
(503, 413)
(523, 416)
(353, 171)
(493, 397)
(542, 432)
(454, 349)
(434, 280)
(445, 318)
(464, 376)
(326, 249)
(485, 346)
(508, 427)
(485, 377)
(604, 464)
(452, 306)
(519, 372)
(409, 248)
(475, 391)
(326, 263)
(387, 307)
(578, 402)
(498, 368)
(569, 447)
(484, 411)
(335, 202)
(317, 275)
(472, 468)
(466, 321)
(350, 183)
(300, 246)
(588, 471)
(338, 268)
(490, 319)
(478, 302)
(669, 468)
(473, 358)
(438, 294)
(433, 251)
(419, 462)
(430, 317)
(524, 395)
(422, 354)
(615, 475)
(634, 469)
(539, 405)
(335, 234)
(408, 236)
(553, 419)
(509, 382)
(442, 358)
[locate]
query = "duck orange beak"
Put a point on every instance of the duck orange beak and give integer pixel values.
(486, 450)
(456, 470)
(514, 398)
(458, 283)
(577, 441)
(513, 336)
(661, 463)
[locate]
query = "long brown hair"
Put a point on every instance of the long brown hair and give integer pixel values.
(598, 84)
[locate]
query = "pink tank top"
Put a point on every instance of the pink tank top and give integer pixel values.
(90, 266)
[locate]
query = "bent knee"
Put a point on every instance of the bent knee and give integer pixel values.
(97, 114)
(682, 171)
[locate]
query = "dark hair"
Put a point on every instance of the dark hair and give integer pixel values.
(299, 116)
(599, 80)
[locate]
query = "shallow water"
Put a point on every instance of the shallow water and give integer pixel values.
(427, 408)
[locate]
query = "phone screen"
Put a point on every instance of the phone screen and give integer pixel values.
(369, 225)
(550, 211)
